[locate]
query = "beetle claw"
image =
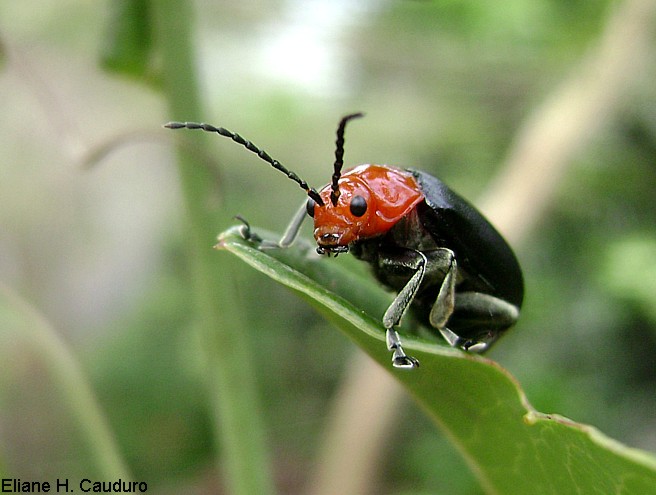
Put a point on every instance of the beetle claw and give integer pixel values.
(475, 347)
(404, 362)
(399, 358)
(245, 230)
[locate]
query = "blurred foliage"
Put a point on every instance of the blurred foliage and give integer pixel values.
(445, 85)
(128, 44)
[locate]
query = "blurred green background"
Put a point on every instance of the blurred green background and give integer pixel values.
(92, 224)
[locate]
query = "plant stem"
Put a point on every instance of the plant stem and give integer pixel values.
(19, 321)
(230, 377)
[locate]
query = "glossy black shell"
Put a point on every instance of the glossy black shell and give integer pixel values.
(479, 249)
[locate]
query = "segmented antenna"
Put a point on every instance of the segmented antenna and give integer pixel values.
(339, 156)
(252, 148)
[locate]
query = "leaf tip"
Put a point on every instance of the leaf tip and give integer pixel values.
(221, 242)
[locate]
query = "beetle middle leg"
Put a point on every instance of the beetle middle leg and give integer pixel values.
(400, 262)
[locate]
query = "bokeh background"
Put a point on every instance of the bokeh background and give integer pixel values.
(92, 223)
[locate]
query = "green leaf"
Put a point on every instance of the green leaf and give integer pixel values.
(511, 448)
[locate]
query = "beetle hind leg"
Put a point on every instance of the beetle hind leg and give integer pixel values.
(479, 319)
(476, 346)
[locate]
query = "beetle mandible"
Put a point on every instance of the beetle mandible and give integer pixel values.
(445, 260)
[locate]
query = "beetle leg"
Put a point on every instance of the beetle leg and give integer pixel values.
(399, 358)
(245, 230)
(446, 297)
(413, 260)
(447, 301)
(291, 232)
(479, 310)
(287, 239)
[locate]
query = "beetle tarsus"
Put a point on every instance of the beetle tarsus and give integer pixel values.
(453, 339)
(469, 345)
(476, 347)
(246, 232)
(399, 358)
(404, 362)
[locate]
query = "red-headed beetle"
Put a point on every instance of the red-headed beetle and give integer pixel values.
(444, 259)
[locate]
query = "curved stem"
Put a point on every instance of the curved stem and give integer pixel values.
(230, 379)
(19, 320)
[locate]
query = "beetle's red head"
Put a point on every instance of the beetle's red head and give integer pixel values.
(365, 202)
(371, 200)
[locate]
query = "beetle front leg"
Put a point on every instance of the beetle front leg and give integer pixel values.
(291, 232)
(287, 239)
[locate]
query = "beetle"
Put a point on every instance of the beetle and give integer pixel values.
(444, 259)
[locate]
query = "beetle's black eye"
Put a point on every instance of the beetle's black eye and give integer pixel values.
(309, 206)
(358, 206)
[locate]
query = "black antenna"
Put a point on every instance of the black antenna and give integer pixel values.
(339, 156)
(252, 148)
